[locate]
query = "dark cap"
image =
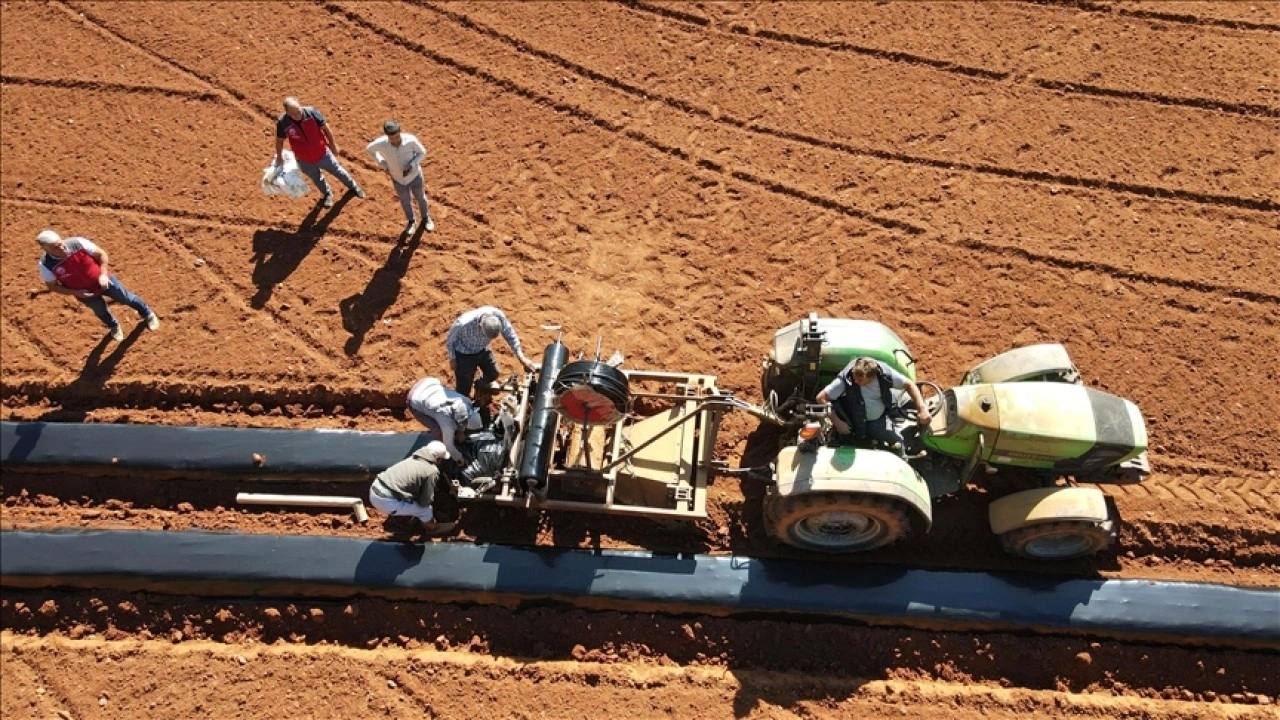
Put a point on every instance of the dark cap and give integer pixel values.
(391, 127)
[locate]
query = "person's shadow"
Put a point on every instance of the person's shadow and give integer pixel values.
(362, 310)
(99, 366)
(277, 253)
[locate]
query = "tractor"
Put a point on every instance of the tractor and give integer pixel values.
(590, 436)
(1024, 410)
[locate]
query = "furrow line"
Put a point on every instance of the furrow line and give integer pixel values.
(1037, 176)
(304, 341)
(104, 86)
(12, 324)
(1119, 272)
(602, 123)
(1248, 109)
(1183, 18)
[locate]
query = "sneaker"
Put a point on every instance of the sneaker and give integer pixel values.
(359, 191)
(153, 322)
(117, 333)
(430, 225)
(328, 200)
(410, 227)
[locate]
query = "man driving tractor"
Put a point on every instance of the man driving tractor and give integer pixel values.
(868, 413)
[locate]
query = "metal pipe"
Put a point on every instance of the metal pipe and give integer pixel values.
(355, 504)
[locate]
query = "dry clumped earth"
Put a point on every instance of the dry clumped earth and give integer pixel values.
(677, 181)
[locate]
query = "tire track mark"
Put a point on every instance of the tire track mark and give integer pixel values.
(312, 347)
(1183, 18)
(607, 125)
(837, 45)
(11, 325)
(102, 86)
(1246, 109)
(1036, 176)
(1117, 271)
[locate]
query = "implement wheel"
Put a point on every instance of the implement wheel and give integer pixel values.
(837, 522)
(1057, 540)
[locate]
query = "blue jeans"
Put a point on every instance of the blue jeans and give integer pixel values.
(116, 292)
(329, 163)
(415, 188)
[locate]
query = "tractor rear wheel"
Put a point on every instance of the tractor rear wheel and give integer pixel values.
(837, 522)
(1057, 540)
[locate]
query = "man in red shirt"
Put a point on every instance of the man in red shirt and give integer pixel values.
(312, 143)
(76, 266)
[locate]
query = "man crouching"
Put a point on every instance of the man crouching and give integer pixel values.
(409, 487)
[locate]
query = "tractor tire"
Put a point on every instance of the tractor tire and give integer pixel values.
(837, 522)
(1058, 540)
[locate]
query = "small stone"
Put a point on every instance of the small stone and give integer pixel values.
(259, 459)
(199, 262)
(241, 659)
(391, 684)
(102, 702)
(1084, 658)
(271, 613)
(186, 507)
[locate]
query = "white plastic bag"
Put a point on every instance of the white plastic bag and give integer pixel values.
(285, 179)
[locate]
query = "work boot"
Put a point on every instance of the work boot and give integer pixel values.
(153, 322)
(430, 224)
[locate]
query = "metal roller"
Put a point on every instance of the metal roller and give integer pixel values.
(535, 455)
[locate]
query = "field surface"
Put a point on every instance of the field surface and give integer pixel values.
(675, 181)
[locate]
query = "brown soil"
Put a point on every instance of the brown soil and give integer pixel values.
(678, 180)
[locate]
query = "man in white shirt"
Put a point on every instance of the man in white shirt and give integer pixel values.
(448, 414)
(400, 153)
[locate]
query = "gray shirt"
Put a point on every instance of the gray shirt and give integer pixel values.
(413, 479)
(870, 392)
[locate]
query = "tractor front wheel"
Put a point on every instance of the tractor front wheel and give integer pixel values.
(837, 522)
(1057, 540)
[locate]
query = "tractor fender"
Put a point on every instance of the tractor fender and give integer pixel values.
(853, 470)
(1045, 362)
(1043, 505)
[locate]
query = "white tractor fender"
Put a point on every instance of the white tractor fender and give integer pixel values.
(1042, 505)
(852, 470)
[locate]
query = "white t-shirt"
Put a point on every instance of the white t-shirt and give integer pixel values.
(431, 397)
(398, 159)
(72, 244)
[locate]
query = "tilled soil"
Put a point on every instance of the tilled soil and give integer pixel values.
(675, 181)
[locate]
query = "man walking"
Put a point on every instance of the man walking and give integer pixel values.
(400, 154)
(409, 487)
(78, 267)
(468, 346)
(312, 143)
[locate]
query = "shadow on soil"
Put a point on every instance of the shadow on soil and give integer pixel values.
(276, 253)
(362, 310)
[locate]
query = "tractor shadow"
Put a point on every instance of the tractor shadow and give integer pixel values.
(362, 310)
(277, 253)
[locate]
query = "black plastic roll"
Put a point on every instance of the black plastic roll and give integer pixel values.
(535, 455)
(590, 392)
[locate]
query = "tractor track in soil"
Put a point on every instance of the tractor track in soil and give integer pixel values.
(1037, 181)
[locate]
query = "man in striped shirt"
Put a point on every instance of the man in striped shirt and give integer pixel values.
(468, 346)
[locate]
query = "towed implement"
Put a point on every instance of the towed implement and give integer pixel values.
(586, 435)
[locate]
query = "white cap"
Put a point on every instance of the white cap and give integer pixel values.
(48, 237)
(473, 420)
(437, 451)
